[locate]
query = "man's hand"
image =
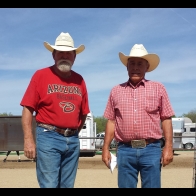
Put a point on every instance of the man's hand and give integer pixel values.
(167, 156)
(106, 157)
(29, 148)
(109, 135)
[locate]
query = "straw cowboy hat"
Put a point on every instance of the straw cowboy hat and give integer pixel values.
(138, 50)
(64, 42)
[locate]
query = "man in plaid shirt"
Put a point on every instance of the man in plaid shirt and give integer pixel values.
(134, 111)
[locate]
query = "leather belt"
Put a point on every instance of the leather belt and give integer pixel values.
(140, 143)
(65, 131)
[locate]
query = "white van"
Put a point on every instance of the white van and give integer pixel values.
(190, 130)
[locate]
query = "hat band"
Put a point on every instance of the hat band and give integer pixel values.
(65, 45)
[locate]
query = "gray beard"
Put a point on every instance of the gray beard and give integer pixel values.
(64, 65)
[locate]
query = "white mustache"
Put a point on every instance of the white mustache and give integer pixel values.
(64, 60)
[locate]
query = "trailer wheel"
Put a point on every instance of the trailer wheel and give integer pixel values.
(188, 146)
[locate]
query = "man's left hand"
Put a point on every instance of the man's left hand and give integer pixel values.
(167, 156)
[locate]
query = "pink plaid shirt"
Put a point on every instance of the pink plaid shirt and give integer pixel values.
(137, 110)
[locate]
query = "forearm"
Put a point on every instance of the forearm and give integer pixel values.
(167, 153)
(27, 117)
(29, 143)
(168, 132)
(109, 134)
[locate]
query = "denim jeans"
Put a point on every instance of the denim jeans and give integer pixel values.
(57, 158)
(134, 161)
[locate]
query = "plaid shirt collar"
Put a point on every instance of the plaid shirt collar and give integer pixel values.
(142, 82)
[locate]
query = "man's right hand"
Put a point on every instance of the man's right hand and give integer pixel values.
(29, 148)
(106, 157)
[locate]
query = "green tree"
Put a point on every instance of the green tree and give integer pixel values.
(191, 115)
(6, 114)
(100, 123)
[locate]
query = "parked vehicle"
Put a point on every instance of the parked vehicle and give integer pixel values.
(184, 132)
(190, 130)
(87, 137)
(178, 130)
(100, 140)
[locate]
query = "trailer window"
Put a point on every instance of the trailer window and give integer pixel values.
(192, 129)
(177, 124)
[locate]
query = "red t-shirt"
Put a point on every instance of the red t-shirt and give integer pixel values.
(57, 101)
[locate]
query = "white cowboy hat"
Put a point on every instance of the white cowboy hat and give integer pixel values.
(64, 42)
(138, 50)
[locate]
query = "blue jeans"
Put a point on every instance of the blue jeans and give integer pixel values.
(57, 158)
(144, 161)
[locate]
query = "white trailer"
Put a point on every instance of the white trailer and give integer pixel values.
(190, 131)
(88, 137)
(184, 132)
(178, 130)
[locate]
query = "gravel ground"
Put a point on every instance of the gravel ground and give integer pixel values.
(92, 173)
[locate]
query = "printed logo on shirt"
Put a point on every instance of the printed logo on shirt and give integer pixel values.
(67, 106)
(57, 88)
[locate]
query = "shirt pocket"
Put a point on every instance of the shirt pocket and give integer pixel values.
(151, 104)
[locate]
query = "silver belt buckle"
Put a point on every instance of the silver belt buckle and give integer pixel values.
(138, 143)
(67, 132)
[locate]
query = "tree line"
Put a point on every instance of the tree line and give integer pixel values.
(6, 114)
(101, 121)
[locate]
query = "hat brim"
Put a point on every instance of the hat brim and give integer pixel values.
(63, 48)
(152, 59)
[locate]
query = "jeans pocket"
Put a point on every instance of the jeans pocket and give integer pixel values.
(40, 130)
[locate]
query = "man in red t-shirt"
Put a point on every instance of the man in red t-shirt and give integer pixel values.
(134, 111)
(59, 98)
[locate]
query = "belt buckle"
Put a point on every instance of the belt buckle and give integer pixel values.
(138, 143)
(66, 133)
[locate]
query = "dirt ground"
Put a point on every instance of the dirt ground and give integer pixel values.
(92, 173)
(182, 159)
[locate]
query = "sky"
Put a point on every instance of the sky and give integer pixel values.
(168, 32)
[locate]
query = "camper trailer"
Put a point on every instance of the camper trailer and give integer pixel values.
(190, 131)
(178, 130)
(87, 137)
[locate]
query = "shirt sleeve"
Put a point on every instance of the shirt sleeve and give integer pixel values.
(166, 109)
(85, 102)
(109, 112)
(31, 96)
